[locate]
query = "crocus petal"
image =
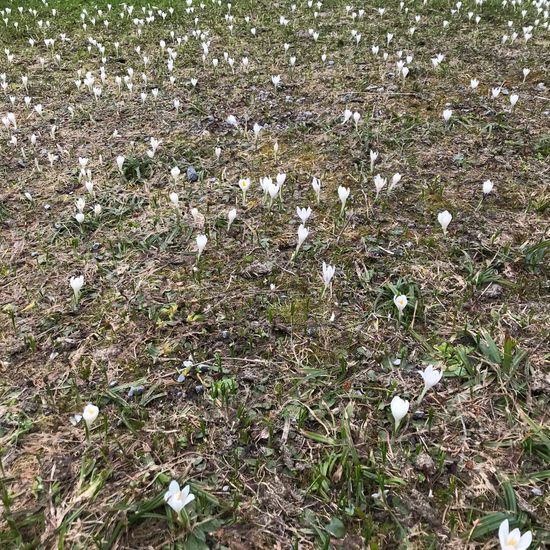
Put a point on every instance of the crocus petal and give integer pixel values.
(191, 498)
(173, 488)
(175, 503)
(503, 531)
(525, 541)
(515, 534)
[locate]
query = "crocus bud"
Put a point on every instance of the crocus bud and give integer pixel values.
(399, 409)
(201, 243)
(444, 218)
(487, 187)
(90, 414)
(231, 215)
(400, 302)
(430, 376)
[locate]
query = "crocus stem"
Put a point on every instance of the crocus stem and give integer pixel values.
(184, 518)
(422, 395)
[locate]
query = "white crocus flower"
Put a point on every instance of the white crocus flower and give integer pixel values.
(178, 498)
(400, 302)
(316, 185)
(174, 199)
(343, 194)
(257, 129)
(90, 413)
(379, 183)
(76, 284)
(120, 162)
(487, 187)
(444, 218)
(513, 540)
(244, 184)
(303, 213)
(281, 178)
(175, 173)
(231, 215)
(201, 243)
(328, 274)
(399, 409)
(303, 232)
(431, 377)
(373, 156)
(396, 178)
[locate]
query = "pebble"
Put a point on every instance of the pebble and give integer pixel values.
(135, 390)
(192, 175)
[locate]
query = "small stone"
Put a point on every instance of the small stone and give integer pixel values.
(181, 378)
(312, 331)
(192, 175)
(21, 163)
(425, 463)
(419, 415)
(135, 390)
(199, 388)
(535, 491)
(493, 291)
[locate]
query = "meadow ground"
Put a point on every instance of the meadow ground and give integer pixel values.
(237, 373)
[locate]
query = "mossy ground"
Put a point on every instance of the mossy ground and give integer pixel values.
(284, 432)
